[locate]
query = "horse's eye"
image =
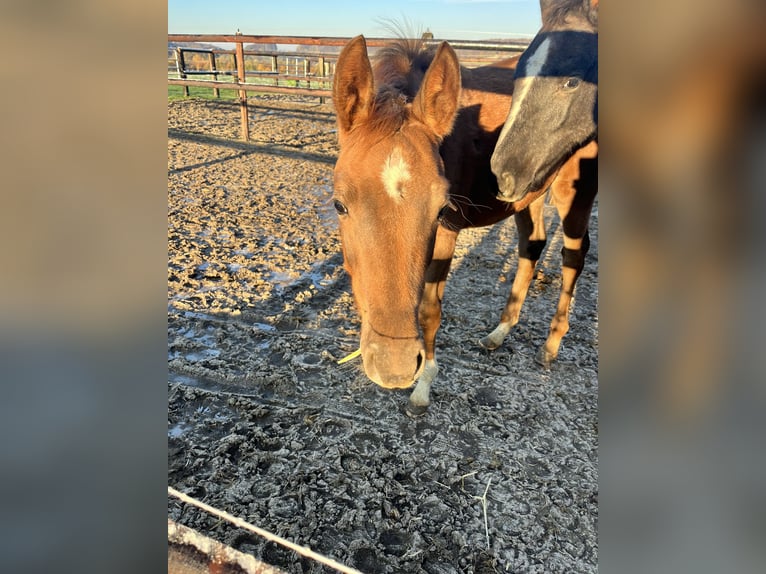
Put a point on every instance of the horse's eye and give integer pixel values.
(443, 211)
(340, 208)
(572, 83)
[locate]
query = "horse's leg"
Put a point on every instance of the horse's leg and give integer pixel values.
(574, 200)
(430, 316)
(531, 230)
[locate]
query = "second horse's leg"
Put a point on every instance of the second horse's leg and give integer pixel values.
(531, 229)
(574, 192)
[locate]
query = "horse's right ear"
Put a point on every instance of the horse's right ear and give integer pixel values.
(437, 100)
(545, 8)
(353, 90)
(593, 13)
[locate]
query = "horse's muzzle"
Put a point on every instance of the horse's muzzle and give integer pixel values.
(508, 190)
(394, 366)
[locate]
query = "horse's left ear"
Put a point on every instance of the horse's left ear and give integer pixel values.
(437, 99)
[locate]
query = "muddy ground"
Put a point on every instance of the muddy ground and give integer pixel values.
(264, 424)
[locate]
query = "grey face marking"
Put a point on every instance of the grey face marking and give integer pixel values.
(532, 67)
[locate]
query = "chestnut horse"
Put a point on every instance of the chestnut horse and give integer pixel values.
(555, 101)
(416, 133)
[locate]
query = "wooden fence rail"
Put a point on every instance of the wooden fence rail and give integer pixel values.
(325, 64)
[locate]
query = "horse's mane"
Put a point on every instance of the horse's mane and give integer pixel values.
(398, 68)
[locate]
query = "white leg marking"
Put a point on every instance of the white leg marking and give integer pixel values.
(496, 337)
(421, 395)
(395, 173)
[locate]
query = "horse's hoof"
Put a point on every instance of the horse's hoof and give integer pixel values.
(545, 358)
(488, 343)
(415, 411)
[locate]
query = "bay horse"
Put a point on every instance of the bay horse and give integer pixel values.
(416, 132)
(555, 101)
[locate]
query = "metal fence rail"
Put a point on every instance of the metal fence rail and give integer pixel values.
(268, 81)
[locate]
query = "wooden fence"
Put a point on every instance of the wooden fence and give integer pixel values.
(307, 79)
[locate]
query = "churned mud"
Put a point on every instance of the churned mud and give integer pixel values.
(500, 475)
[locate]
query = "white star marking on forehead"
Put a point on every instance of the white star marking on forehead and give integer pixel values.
(395, 173)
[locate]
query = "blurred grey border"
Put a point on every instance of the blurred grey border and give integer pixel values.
(83, 306)
(682, 362)
(83, 235)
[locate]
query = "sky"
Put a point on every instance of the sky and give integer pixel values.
(447, 19)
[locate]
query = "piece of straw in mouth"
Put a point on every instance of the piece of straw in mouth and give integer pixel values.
(352, 355)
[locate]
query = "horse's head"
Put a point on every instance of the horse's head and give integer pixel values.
(555, 99)
(390, 192)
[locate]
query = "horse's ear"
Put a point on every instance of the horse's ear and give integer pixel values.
(437, 99)
(545, 9)
(593, 13)
(353, 89)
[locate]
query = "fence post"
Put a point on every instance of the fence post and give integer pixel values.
(181, 66)
(216, 92)
(242, 93)
(275, 69)
(320, 73)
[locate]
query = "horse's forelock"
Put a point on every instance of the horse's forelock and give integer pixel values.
(398, 68)
(390, 113)
(402, 64)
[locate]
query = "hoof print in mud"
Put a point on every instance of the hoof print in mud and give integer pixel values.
(487, 397)
(366, 559)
